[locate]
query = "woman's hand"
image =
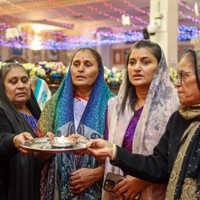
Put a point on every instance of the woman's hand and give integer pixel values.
(130, 187)
(80, 139)
(76, 136)
(84, 178)
(100, 148)
(49, 135)
(19, 139)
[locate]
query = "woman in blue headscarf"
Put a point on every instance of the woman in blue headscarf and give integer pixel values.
(78, 106)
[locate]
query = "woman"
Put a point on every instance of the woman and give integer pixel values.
(19, 112)
(78, 106)
(39, 87)
(176, 158)
(137, 117)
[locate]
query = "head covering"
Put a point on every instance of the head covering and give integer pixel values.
(196, 55)
(184, 182)
(20, 123)
(58, 116)
(161, 102)
(24, 169)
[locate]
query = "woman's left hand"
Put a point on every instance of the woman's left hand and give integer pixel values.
(100, 148)
(130, 187)
(19, 139)
(79, 138)
(84, 178)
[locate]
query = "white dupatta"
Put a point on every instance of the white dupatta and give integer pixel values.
(160, 103)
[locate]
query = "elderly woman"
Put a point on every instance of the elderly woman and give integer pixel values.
(176, 158)
(19, 113)
(138, 115)
(39, 87)
(78, 106)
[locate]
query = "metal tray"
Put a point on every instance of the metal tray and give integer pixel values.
(45, 145)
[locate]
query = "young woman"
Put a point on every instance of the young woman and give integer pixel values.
(137, 116)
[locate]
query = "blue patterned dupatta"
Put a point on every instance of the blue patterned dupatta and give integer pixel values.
(58, 116)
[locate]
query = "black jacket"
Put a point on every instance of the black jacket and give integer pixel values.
(156, 167)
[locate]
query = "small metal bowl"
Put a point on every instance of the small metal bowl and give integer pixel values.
(62, 142)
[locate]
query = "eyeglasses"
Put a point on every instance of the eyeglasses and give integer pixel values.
(182, 76)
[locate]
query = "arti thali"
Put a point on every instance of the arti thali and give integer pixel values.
(55, 145)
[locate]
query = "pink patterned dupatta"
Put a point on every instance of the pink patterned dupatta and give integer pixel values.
(160, 103)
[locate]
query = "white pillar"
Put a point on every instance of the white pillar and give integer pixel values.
(167, 34)
(105, 53)
(5, 53)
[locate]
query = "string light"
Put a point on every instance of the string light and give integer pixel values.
(196, 9)
(188, 17)
(122, 12)
(136, 8)
(94, 9)
(187, 32)
(185, 5)
(61, 41)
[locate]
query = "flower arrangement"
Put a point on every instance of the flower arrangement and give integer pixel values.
(172, 74)
(113, 76)
(52, 72)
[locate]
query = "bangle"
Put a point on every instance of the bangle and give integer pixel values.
(114, 152)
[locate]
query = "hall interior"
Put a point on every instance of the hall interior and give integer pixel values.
(51, 30)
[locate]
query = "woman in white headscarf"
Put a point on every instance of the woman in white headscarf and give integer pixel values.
(137, 116)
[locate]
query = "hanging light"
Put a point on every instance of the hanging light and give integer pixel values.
(126, 20)
(196, 9)
(13, 32)
(36, 44)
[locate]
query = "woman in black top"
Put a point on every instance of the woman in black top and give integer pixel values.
(19, 112)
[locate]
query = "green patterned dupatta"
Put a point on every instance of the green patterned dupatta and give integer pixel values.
(58, 117)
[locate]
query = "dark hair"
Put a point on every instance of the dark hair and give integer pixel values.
(130, 89)
(5, 68)
(93, 52)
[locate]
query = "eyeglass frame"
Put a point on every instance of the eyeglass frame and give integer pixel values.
(180, 75)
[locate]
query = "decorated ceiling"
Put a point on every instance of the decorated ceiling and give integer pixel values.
(70, 24)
